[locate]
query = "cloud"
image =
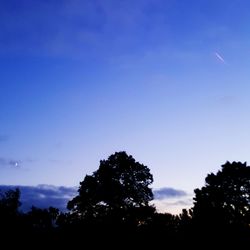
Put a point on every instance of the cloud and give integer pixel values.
(14, 163)
(71, 28)
(167, 192)
(173, 205)
(171, 200)
(228, 100)
(43, 196)
(184, 202)
(6, 162)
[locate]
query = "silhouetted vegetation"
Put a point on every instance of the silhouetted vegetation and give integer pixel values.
(118, 192)
(222, 206)
(113, 208)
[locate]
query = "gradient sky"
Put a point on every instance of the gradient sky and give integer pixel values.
(166, 81)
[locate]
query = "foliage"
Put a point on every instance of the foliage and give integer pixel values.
(42, 219)
(119, 188)
(112, 206)
(225, 198)
(9, 203)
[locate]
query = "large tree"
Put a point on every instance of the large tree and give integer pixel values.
(225, 198)
(119, 187)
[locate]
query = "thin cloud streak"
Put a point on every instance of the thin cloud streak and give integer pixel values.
(174, 205)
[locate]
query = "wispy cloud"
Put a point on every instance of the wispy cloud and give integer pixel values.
(227, 100)
(173, 205)
(43, 196)
(171, 200)
(7, 162)
(168, 192)
(14, 162)
(59, 34)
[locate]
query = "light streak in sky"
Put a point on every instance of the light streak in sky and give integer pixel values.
(220, 57)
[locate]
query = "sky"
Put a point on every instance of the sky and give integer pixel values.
(166, 81)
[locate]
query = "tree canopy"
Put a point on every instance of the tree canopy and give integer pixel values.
(225, 198)
(113, 205)
(120, 184)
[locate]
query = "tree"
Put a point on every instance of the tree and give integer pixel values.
(9, 214)
(42, 219)
(9, 202)
(225, 198)
(118, 189)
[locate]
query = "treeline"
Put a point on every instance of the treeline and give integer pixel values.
(112, 209)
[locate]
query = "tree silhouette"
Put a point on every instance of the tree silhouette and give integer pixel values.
(226, 194)
(119, 190)
(113, 206)
(222, 206)
(9, 202)
(42, 219)
(10, 218)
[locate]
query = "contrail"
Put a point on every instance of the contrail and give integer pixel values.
(219, 57)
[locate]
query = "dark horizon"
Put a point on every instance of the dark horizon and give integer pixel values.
(114, 203)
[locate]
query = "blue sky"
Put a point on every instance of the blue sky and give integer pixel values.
(81, 80)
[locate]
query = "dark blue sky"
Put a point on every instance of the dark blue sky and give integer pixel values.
(167, 81)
